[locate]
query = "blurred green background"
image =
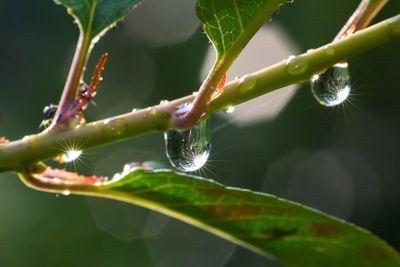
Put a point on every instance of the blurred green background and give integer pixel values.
(344, 161)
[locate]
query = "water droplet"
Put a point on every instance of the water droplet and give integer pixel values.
(189, 150)
(237, 78)
(115, 127)
(154, 165)
(296, 65)
(329, 50)
(163, 102)
(332, 86)
(229, 110)
(247, 83)
(182, 109)
(69, 156)
(66, 192)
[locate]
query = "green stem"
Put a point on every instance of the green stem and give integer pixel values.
(73, 80)
(75, 74)
(223, 62)
(15, 156)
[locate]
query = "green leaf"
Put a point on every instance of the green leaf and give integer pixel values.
(230, 24)
(291, 233)
(95, 16)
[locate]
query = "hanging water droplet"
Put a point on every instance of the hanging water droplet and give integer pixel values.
(229, 110)
(189, 150)
(332, 86)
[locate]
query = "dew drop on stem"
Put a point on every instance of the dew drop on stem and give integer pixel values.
(115, 127)
(188, 150)
(69, 156)
(333, 86)
(296, 65)
(247, 83)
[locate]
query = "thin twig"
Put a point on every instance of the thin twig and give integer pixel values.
(80, 104)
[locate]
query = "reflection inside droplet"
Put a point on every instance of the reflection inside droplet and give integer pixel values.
(332, 86)
(189, 150)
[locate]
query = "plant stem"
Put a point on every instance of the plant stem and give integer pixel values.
(223, 62)
(73, 80)
(17, 155)
(75, 74)
(362, 16)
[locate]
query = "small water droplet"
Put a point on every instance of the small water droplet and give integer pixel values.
(189, 150)
(182, 109)
(163, 102)
(332, 86)
(115, 127)
(229, 110)
(154, 165)
(237, 78)
(247, 83)
(69, 156)
(329, 50)
(296, 65)
(66, 192)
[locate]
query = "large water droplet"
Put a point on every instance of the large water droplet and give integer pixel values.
(189, 150)
(332, 86)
